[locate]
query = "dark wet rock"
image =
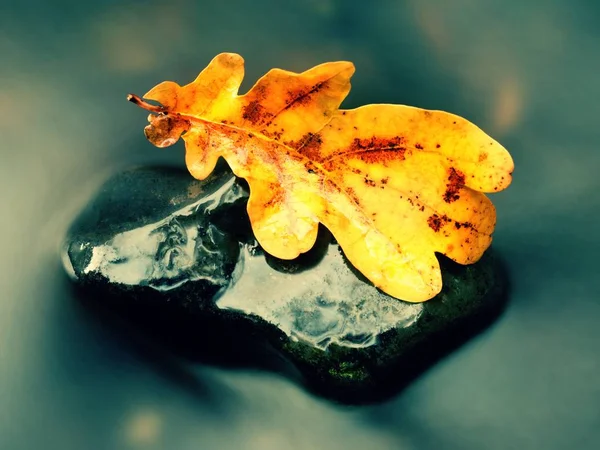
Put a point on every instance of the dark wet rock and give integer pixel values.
(177, 259)
(150, 227)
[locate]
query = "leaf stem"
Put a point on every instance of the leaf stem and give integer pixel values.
(145, 105)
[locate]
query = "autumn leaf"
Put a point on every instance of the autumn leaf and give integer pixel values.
(394, 184)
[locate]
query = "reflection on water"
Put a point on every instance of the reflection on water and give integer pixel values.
(164, 255)
(524, 71)
(324, 305)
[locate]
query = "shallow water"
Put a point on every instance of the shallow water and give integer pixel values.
(526, 72)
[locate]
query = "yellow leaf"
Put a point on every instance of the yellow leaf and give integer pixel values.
(394, 184)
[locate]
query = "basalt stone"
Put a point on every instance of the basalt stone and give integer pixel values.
(176, 257)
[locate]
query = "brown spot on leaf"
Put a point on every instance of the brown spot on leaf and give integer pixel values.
(276, 199)
(260, 92)
(352, 194)
(308, 145)
(310, 167)
(469, 225)
(436, 222)
(456, 181)
(483, 156)
(418, 146)
(374, 149)
(302, 96)
(255, 112)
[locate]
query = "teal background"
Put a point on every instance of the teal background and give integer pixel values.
(527, 72)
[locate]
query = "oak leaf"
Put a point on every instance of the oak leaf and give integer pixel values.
(394, 184)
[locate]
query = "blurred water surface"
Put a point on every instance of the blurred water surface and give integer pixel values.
(526, 72)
